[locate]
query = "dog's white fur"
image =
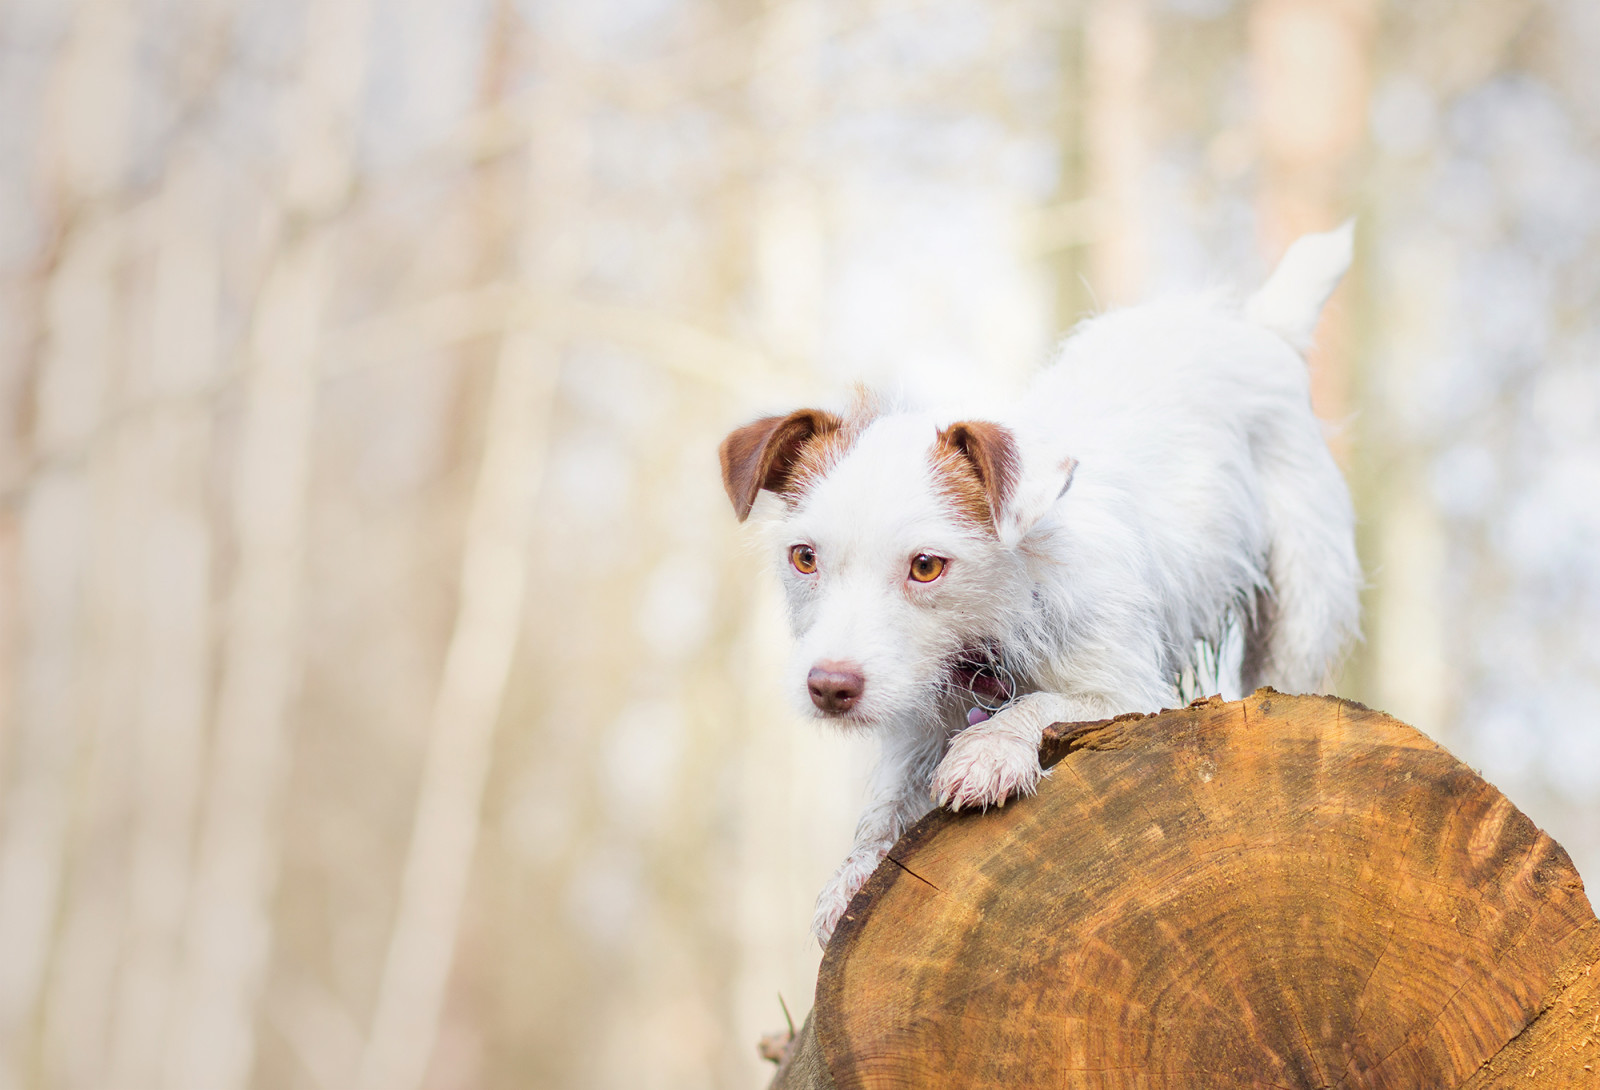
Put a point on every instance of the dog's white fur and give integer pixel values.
(1167, 480)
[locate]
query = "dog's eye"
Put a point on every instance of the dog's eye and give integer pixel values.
(804, 559)
(925, 568)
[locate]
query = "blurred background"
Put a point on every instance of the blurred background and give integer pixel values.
(387, 698)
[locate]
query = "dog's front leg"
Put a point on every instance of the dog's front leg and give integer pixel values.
(899, 797)
(998, 759)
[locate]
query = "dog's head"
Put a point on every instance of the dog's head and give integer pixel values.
(901, 546)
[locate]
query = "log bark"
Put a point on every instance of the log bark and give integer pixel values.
(1280, 892)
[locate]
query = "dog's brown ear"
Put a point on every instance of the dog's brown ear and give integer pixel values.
(992, 451)
(764, 454)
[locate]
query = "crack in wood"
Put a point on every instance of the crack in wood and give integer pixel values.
(914, 874)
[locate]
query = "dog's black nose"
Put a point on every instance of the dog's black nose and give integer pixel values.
(835, 686)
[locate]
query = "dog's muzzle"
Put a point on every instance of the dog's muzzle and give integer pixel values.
(835, 687)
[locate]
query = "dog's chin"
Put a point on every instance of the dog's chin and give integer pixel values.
(847, 722)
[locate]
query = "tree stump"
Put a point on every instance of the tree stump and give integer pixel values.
(1281, 891)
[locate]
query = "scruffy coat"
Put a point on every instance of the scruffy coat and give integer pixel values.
(956, 585)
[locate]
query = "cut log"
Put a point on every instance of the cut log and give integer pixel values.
(1275, 892)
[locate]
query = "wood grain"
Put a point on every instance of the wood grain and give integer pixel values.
(1275, 892)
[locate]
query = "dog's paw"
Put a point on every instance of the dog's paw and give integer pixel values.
(835, 896)
(830, 910)
(982, 770)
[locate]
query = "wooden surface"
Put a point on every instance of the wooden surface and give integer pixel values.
(1275, 892)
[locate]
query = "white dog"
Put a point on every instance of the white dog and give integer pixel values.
(958, 585)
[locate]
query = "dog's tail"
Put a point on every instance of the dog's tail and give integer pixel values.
(1291, 300)
(1300, 629)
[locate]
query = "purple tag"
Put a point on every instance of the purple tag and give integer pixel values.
(976, 716)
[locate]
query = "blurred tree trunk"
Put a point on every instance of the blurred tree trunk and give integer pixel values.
(228, 930)
(1118, 38)
(1310, 64)
(491, 602)
(72, 634)
(170, 562)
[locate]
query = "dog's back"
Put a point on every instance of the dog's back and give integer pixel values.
(1203, 473)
